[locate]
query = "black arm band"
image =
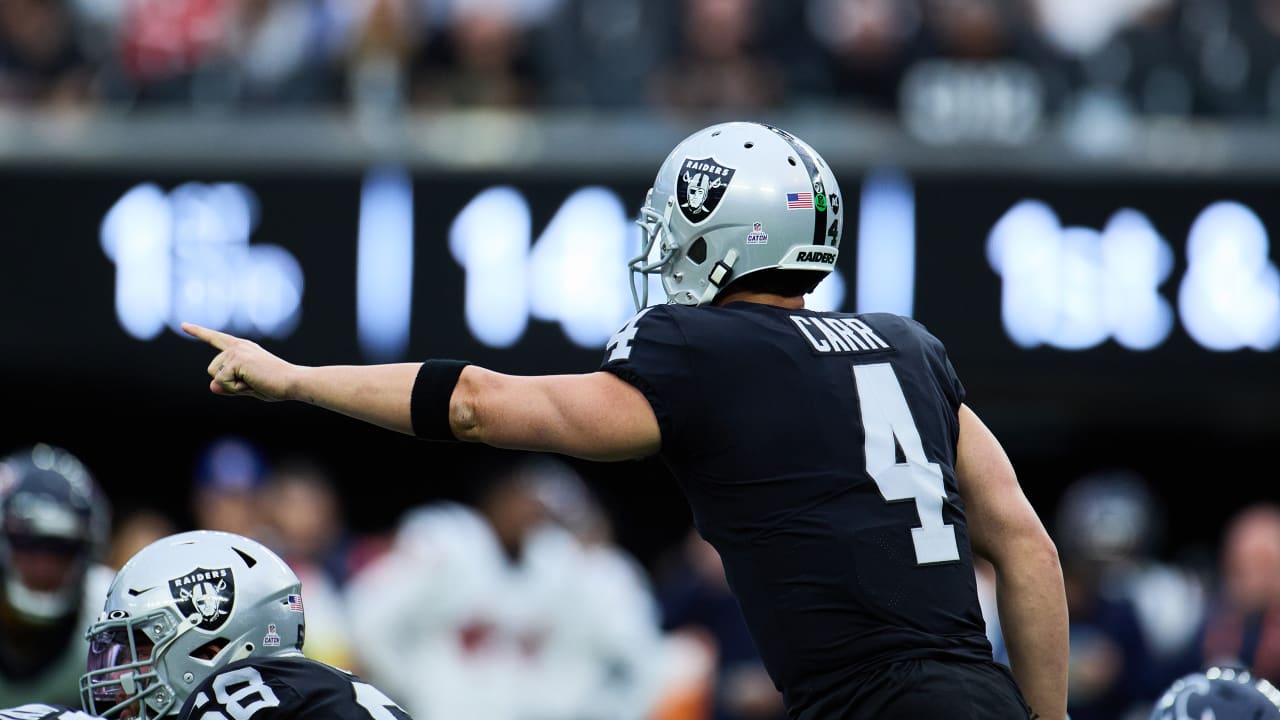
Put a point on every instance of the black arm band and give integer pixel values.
(429, 404)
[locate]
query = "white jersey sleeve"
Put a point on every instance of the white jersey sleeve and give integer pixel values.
(37, 711)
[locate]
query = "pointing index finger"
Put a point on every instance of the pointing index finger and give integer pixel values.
(219, 340)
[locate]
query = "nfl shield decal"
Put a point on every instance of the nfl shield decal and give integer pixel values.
(700, 186)
(205, 596)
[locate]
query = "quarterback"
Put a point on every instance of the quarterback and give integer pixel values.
(830, 458)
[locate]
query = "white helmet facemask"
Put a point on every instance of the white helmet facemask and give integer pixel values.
(730, 200)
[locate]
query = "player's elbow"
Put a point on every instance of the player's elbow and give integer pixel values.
(1022, 545)
(1032, 553)
(465, 411)
(1044, 553)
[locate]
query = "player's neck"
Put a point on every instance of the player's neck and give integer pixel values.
(789, 302)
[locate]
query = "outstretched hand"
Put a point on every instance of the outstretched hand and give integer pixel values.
(242, 367)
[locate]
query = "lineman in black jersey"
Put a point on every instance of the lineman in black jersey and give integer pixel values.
(830, 458)
(209, 626)
(277, 688)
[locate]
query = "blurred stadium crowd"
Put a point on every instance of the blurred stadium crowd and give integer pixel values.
(516, 602)
(1001, 63)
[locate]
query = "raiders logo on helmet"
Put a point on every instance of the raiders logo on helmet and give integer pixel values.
(700, 186)
(205, 596)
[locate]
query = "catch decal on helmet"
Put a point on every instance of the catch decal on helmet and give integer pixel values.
(205, 597)
(700, 186)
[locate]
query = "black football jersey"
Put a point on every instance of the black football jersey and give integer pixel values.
(817, 452)
(287, 688)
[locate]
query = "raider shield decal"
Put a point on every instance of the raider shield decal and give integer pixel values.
(700, 186)
(205, 596)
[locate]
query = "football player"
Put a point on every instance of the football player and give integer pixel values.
(53, 529)
(208, 625)
(1219, 693)
(830, 458)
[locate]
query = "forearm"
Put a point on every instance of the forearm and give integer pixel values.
(377, 394)
(1033, 618)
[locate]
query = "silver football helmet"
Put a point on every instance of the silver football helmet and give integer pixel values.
(180, 609)
(733, 199)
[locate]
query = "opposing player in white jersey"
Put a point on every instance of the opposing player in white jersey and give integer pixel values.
(490, 612)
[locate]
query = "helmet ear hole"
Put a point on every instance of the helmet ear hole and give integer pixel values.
(748, 144)
(698, 251)
(209, 650)
(791, 160)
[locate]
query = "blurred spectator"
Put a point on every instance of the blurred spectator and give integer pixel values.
(53, 529)
(41, 62)
(164, 47)
(1235, 47)
(283, 52)
(482, 59)
(723, 61)
(135, 530)
(493, 613)
(1243, 624)
(599, 53)
(983, 76)
(384, 37)
(695, 594)
(229, 476)
(303, 513)
(971, 29)
(304, 524)
(1264, 44)
(870, 44)
(219, 53)
(1145, 62)
(953, 70)
(1082, 27)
